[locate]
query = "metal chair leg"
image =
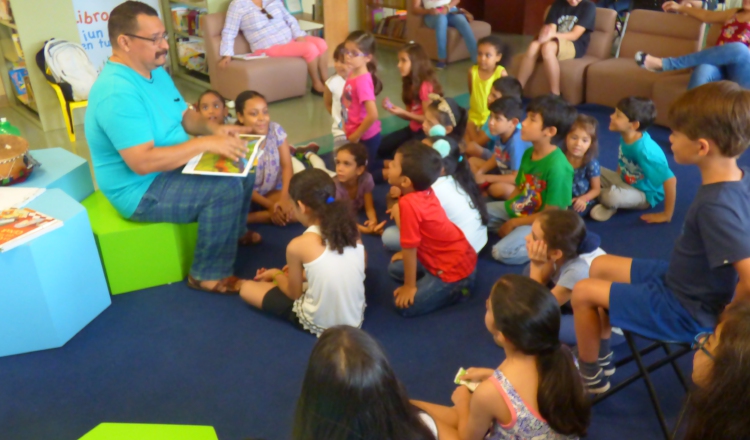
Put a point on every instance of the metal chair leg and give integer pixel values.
(649, 386)
(677, 369)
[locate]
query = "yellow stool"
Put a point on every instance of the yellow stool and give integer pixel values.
(67, 109)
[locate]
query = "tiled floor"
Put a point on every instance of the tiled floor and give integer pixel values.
(303, 118)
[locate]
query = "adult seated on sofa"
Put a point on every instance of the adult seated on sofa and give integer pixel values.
(565, 35)
(270, 29)
(439, 18)
(137, 127)
(728, 60)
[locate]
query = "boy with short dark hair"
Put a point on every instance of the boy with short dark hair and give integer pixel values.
(478, 141)
(643, 178)
(544, 180)
(679, 299)
(499, 171)
(437, 264)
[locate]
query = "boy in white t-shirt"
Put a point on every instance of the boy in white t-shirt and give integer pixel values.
(332, 96)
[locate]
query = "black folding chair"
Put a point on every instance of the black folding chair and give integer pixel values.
(644, 370)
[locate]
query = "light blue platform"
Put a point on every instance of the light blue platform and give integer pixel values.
(52, 286)
(63, 170)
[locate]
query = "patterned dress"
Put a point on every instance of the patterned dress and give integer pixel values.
(268, 171)
(526, 423)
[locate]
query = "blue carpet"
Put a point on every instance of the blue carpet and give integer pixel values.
(175, 355)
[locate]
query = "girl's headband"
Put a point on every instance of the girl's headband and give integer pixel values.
(443, 106)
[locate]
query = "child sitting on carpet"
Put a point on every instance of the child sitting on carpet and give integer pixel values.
(498, 173)
(355, 184)
(275, 163)
(478, 143)
(456, 192)
(332, 95)
(643, 178)
(675, 300)
(437, 264)
(582, 149)
(418, 82)
(328, 255)
(481, 78)
(557, 244)
(536, 392)
(351, 392)
(213, 106)
(544, 179)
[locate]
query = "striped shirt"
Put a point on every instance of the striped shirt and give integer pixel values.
(260, 31)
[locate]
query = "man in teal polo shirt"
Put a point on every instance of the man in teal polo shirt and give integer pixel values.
(137, 127)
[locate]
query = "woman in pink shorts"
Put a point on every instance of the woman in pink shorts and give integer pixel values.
(270, 29)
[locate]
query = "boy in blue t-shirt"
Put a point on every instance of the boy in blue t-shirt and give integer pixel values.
(643, 178)
(500, 170)
(710, 263)
(478, 144)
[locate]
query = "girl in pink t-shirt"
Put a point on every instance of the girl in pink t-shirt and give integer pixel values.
(418, 81)
(359, 112)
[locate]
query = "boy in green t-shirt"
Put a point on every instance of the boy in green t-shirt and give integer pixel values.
(544, 180)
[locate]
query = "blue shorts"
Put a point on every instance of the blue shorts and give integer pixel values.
(647, 307)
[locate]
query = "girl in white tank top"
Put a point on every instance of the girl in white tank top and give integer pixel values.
(329, 256)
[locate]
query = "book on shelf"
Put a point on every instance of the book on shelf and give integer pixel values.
(187, 20)
(393, 26)
(21, 225)
(249, 56)
(210, 164)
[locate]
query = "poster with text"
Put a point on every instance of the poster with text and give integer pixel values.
(92, 17)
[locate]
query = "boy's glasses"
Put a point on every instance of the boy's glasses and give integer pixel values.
(348, 53)
(263, 10)
(155, 40)
(700, 344)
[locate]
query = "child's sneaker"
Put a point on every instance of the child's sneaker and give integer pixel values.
(601, 213)
(597, 384)
(440, 65)
(607, 364)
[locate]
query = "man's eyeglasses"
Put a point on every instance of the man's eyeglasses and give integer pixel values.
(263, 10)
(155, 40)
(700, 344)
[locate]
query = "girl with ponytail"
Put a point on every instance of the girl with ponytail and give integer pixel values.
(536, 392)
(329, 256)
(359, 111)
(556, 243)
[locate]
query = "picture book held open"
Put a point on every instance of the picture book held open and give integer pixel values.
(211, 164)
(19, 225)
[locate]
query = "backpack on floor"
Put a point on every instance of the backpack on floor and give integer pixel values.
(68, 63)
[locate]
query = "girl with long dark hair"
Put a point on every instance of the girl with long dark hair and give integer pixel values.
(536, 392)
(350, 392)
(721, 369)
(328, 255)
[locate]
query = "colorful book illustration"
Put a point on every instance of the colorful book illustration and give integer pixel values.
(20, 225)
(211, 164)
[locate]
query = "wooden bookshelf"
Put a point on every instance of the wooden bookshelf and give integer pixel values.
(386, 35)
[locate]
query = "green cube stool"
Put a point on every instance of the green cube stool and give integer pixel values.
(139, 255)
(132, 431)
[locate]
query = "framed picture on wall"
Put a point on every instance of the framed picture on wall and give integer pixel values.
(293, 6)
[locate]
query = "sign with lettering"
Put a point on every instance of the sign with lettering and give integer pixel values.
(92, 17)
